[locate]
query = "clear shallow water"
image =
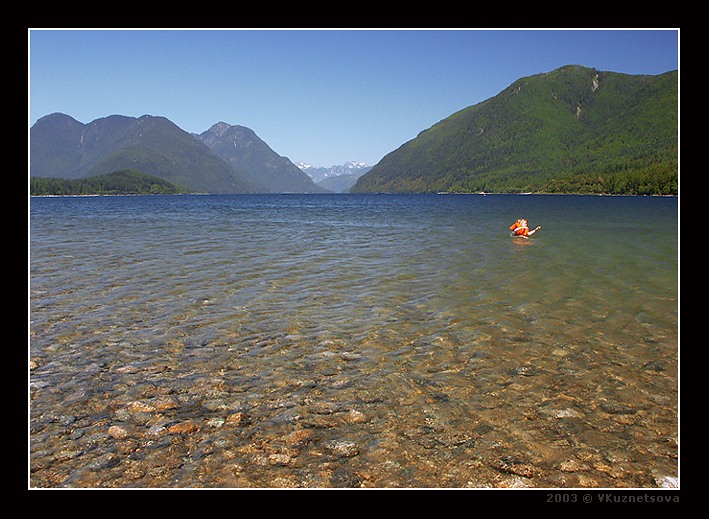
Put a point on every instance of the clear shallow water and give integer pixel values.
(353, 340)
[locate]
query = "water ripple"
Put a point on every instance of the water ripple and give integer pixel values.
(264, 341)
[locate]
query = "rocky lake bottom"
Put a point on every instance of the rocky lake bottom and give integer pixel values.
(352, 342)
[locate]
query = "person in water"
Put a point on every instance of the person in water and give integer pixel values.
(521, 228)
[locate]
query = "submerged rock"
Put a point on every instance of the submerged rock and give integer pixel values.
(512, 465)
(117, 432)
(667, 482)
(342, 448)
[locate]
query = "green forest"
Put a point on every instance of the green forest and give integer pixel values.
(573, 130)
(125, 182)
(621, 178)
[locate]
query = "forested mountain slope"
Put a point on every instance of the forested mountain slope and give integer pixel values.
(574, 129)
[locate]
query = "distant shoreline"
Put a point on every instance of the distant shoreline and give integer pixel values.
(345, 194)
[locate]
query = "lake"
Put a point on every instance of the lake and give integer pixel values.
(376, 341)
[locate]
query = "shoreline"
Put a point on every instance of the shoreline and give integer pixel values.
(354, 194)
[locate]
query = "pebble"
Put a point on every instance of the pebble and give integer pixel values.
(280, 459)
(183, 428)
(615, 408)
(140, 407)
(667, 482)
(239, 418)
(354, 416)
(566, 413)
(156, 431)
(573, 466)
(325, 408)
(342, 448)
(165, 403)
(215, 422)
(512, 465)
(299, 437)
(117, 432)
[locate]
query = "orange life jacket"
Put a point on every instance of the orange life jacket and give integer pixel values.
(518, 229)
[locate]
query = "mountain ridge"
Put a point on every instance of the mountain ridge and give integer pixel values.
(62, 147)
(263, 167)
(574, 129)
(339, 177)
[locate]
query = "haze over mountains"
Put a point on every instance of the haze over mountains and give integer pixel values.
(223, 159)
(574, 129)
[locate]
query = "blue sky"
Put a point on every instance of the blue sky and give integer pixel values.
(317, 96)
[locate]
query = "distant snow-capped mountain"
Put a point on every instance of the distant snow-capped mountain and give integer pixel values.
(318, 173)
(338, 178)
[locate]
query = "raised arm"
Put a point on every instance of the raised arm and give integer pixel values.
(534, 230)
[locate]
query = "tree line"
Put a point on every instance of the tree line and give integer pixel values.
(124, 182)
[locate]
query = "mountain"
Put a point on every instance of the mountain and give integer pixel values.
(574, 129)
(338, 178)
(263, 167)
(340, 183)
(62, 147)
(319, 173)
(224, 159)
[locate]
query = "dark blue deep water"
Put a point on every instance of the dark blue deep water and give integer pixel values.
(353, 340)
